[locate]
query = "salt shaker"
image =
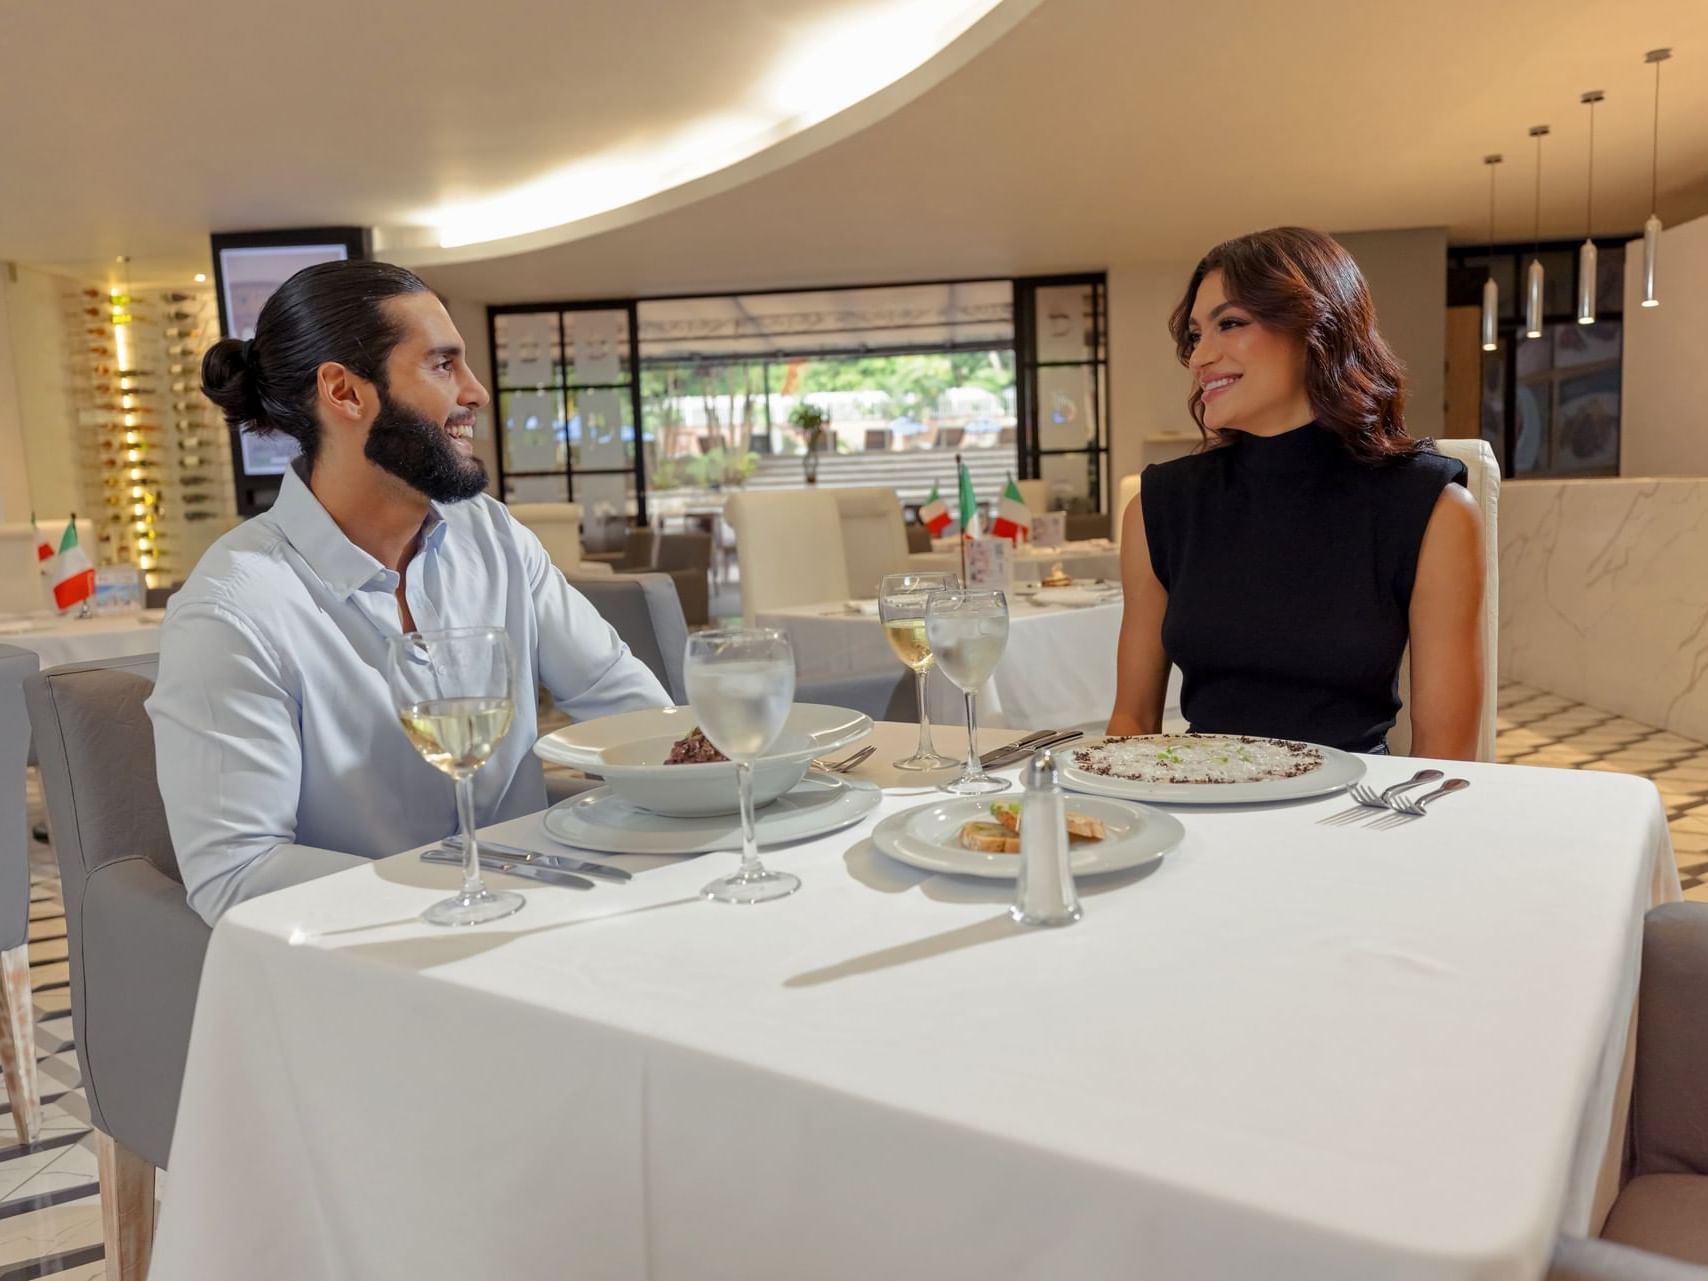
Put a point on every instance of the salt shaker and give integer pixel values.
(1045, 892)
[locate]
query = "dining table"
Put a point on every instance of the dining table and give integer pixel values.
(1057, 669)
(1085, 560)
(1288, 1049)
(60, 639)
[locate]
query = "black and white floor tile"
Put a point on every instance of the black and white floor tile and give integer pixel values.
(50, 1214)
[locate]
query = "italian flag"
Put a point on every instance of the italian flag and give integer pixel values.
(44, 549)
(935, 514)
(73, 575)
(1013, 518)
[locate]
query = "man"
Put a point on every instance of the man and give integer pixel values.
(279, 751)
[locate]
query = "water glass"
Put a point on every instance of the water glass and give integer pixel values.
(741, 683)
(967, 631)
(901, 607)
(454, 693)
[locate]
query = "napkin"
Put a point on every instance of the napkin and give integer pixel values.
(864, 608)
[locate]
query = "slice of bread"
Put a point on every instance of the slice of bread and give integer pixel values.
(989, 838)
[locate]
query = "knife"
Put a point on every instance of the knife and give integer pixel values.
(527, 871)
(1036, 736)
(535, 858)
(1019, 751)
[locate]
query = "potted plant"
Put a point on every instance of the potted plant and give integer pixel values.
(813, 422)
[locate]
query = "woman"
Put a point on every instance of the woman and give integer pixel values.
(1284, 565)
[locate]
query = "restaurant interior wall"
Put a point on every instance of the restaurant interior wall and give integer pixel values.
(14, 475)
(42, 399)
(1665, 420)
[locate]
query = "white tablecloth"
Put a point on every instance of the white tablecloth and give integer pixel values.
(1291, 1051)
(1086, 560)
(85, 640)
(1058, 669)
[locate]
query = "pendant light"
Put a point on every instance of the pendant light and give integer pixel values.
(1586, 253)
(1491, 291)
(1533, 288)
(1652, 228)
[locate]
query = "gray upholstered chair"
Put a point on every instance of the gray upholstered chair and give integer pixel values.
(136, 947)
(17, 1004)
(648, 616)
(883, 696)
(1658, 1227)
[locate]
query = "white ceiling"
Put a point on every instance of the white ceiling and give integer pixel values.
(1094, 132)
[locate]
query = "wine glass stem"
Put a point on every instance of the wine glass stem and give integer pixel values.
(472, 885)
(925, 746)
(749, 844)
(973, 766)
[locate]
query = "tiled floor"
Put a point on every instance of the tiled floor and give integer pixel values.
(50, 1222)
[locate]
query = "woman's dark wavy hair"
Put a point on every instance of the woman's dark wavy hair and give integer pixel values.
(1303, 283)
(329, 312)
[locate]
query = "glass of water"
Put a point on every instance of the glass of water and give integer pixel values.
(901, 607)
(453, 693)
(968, 631)
(741, 683)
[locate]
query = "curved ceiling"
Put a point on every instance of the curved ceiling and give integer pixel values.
(437, 122)
(1098, 133)
(1092, 132)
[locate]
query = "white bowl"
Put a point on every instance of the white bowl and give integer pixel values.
(628, 752)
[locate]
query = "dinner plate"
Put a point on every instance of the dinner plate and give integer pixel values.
(605, 823)
(928, 837)
(1338, 771)
(1076, 597)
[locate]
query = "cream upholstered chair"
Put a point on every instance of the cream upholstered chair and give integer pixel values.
(558, 527)
(1035, 494)
(788, 546)
(1125, 492)
(1483, 480)
(874, 536)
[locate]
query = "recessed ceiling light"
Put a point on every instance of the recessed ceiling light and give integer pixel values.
(201, 277)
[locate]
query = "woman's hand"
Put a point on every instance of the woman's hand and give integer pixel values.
(1447, 659)
(1141, 665)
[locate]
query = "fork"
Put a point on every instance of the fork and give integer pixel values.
(1369, 798)
(847, 765)
(1406, 811)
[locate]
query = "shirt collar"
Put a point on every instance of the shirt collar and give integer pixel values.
(338, 562)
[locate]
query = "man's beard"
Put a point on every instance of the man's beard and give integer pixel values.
(418, 452)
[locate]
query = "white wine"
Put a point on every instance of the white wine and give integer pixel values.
(457, 734)
(907, 637)
(741, 706)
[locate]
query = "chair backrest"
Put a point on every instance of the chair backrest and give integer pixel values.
(1483, 480)
(135, 945)
(646, 613)
(558, 527)
(951, 437)
(877, 438)
(690, 549)
(874, 536)
(15, 666)
(1035, 494)
(918, 538)
(1125, 492)
(638, 547)
(788, 548)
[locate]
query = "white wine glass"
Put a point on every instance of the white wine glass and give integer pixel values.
(741, 683)
(454, 692)
(968, 631)
(901, 608)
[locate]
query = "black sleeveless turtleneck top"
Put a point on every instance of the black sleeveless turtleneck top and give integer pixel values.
(1289, 567)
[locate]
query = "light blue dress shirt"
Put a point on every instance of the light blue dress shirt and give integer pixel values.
(278, 746)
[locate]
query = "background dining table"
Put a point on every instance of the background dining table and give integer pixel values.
(1058, 668)
(1289, 1050)
(67, 639)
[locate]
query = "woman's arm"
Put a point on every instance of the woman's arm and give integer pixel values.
(1141, 666)
(1447, 631)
